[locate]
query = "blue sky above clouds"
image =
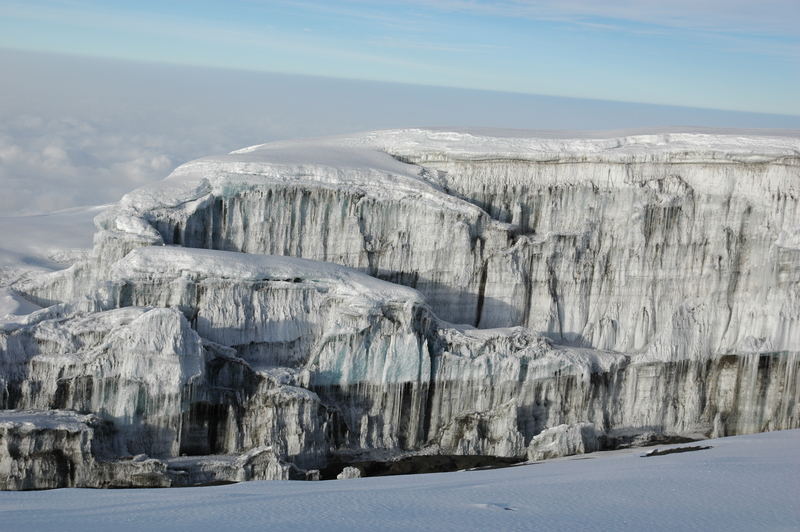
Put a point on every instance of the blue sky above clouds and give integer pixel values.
(734, 54)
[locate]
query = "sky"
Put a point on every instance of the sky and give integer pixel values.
(98, 98)
(723, 54)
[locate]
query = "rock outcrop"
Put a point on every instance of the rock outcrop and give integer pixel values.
(256, 314)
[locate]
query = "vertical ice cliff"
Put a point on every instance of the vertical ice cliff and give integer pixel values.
(128, 365)
(621, 245)
(259, 314)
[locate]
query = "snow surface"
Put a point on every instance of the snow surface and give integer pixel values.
(742, 483)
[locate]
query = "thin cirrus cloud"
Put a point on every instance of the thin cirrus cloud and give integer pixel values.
(260, 42)
(777, 17)
(767, 27)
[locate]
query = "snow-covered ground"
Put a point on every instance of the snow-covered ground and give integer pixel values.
(741, 483)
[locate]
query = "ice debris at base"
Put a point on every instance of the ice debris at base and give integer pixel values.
(257, 314)
(563, 440)
(348, 473)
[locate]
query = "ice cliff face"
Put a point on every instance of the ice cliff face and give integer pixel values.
(261, 312)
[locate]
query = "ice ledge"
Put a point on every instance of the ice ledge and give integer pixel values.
(31, 420)
(173, 262)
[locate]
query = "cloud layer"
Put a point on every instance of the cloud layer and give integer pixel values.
(39, 157)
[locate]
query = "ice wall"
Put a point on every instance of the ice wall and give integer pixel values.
(301, 297)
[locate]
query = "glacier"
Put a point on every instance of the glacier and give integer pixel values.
(263, 314)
